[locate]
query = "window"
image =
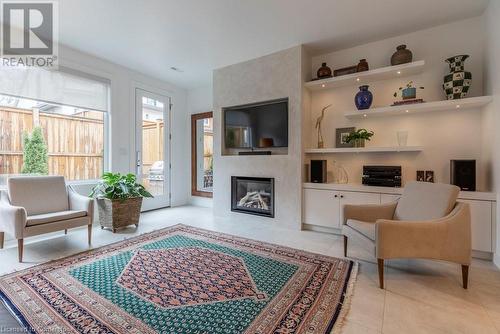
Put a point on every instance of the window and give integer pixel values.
(202, 150)
(68, 118)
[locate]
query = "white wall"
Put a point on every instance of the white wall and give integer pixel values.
(446, 135)
(275, 76)
(199, 100)
(122, 116)
(492, 83)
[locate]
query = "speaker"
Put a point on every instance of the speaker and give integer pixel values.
(463, 174)
(318, 171)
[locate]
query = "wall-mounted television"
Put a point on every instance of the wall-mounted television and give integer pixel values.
(258, 125)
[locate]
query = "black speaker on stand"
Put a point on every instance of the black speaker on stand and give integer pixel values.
(318, 171)
(463, 174)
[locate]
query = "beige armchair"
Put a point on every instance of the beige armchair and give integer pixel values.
(426, 222)
(36, 205)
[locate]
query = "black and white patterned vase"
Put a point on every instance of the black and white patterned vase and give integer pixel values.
(456, 84)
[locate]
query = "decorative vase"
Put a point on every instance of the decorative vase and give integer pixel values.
(362, 66)
(401, 56)
(359, 142)
(456, 84)
(324, 71)
(363, 98)
(409, 93)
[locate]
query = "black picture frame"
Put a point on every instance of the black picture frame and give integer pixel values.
(429, 176)
(340, 133)
(420, 176)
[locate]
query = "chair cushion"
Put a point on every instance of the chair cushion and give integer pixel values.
(38, 194)
(366, 229)
(46, 218)
(426, 201)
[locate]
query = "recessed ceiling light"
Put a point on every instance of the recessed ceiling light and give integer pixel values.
(176, 69)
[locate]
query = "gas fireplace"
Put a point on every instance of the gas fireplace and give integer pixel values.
(252, 195)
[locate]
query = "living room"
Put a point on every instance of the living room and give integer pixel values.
(251, 167)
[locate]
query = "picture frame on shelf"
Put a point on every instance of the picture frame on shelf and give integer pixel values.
(340, 136)
(420, 176)
(429, 176)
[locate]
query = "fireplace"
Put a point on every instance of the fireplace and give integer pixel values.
(252, 195)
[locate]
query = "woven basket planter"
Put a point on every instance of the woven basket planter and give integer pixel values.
(114, 214)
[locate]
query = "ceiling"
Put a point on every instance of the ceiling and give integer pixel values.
(197, 36)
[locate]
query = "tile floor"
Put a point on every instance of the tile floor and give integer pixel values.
(420, 296)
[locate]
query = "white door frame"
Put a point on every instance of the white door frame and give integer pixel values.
(164, 200)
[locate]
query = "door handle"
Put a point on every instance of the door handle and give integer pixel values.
(138, 158)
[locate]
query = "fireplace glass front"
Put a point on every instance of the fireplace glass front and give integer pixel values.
(252, 195)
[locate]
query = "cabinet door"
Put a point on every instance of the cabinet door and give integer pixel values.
(481, 223)
(388, 198)
(321, 208)
(348, 197)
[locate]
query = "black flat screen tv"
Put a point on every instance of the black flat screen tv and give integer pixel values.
(259, 125)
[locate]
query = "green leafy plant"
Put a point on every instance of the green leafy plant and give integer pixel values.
(359, 135)
(408, 86)
(115, 186)
(35, 156)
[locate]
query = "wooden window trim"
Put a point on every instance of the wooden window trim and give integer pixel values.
(194, 162)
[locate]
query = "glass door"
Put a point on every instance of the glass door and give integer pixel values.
(153, 147)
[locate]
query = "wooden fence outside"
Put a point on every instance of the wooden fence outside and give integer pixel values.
(75, 143)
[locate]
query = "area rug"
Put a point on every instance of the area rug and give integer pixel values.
(183, 280)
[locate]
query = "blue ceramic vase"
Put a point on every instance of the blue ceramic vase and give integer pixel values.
(363, 98)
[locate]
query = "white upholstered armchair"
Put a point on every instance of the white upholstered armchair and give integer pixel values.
(426, 222)
(36, 205)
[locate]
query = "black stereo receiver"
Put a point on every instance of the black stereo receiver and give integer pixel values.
(382, 176)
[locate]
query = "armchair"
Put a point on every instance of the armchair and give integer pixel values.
(35, 205)
(426, 222)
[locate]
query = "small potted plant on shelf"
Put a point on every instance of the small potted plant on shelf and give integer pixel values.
(359, 137)
(119, 200)
(408, 94)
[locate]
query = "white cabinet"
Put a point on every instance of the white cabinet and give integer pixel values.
(481, 213)
(388, 198)
(325, 208)
(321, 208)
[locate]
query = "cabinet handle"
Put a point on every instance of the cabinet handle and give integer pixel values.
(336, 196)
(341, 196)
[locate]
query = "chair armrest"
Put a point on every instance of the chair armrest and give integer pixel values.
(447, 238)
(12, 218)
(81, 203)
(369, 212)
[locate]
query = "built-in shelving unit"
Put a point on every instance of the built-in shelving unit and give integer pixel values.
(364, 150)
(462, 104)
(361, 78)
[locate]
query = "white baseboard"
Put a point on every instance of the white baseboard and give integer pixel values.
(496, 260)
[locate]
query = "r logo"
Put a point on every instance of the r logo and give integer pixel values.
(28, 28)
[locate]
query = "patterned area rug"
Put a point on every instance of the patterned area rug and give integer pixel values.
(183, 280)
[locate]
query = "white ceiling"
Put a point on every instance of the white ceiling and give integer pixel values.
(197, 36)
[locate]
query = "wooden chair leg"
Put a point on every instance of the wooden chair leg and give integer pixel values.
(2, 239)
(465, 276)
(345, 246)
(381, 272)
(20, 244)
(89, 227)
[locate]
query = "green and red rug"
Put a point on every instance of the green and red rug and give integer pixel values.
(183, 280)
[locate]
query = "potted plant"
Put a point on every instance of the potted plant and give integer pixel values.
(119, 200)
(408, 92)
(359, 137)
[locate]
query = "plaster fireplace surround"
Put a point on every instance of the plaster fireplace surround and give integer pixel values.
(252, 195)
(267, 78)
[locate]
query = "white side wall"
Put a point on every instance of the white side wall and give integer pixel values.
(446, 135)
(275, 76)
(122, 116)
(199, 100)
(492, 84)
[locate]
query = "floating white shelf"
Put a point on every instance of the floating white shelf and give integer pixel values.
(365, 149)
(462, 104)
(362, 78)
